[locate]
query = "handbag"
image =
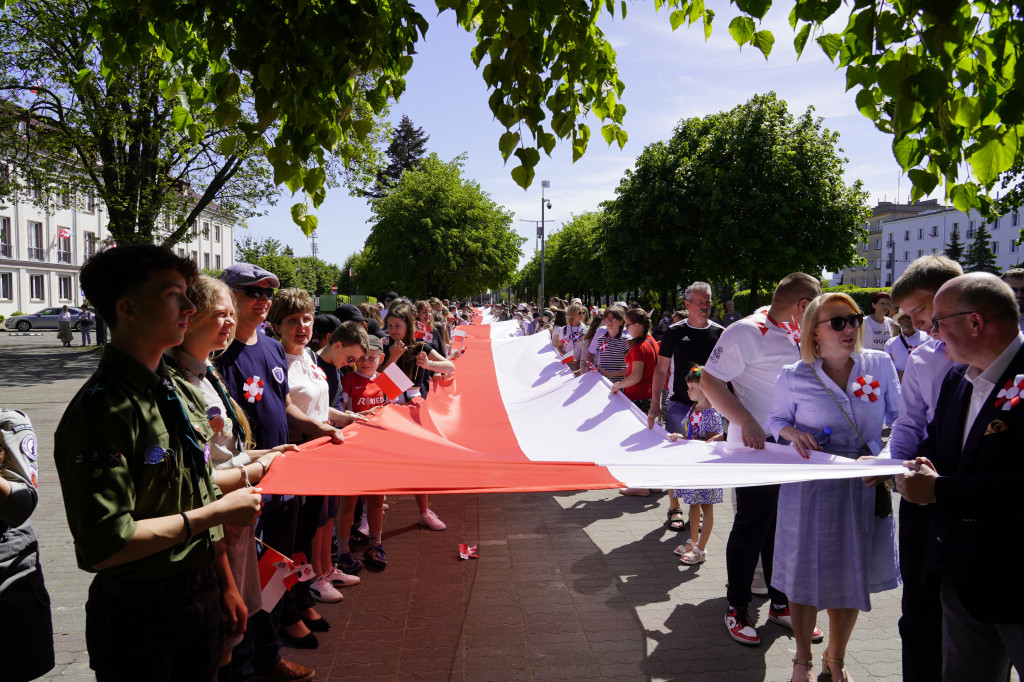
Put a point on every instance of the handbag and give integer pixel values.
(883, 493)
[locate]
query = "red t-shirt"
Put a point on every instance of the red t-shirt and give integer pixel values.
(646, 352)
(362, 391)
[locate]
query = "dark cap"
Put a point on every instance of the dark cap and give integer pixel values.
(391, 295)
(347, 312)
(548, 314)
(324, 325)
(245, 274)
(373, 329)
(374, 342)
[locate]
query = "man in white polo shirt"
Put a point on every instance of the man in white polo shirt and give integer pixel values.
(751, 354)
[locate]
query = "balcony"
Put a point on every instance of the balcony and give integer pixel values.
(35, 253)
(5, 250)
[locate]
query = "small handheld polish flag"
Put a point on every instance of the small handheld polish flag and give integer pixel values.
(393, 381)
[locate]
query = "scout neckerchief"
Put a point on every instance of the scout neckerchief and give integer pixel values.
(193, 453)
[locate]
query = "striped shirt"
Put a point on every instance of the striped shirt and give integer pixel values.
(610, 353)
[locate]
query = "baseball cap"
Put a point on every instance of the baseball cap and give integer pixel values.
(324, 325)
(374, 343)
(245, 274)
(346, 312)
(374, 330)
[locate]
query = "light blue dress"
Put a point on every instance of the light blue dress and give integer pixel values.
(831, 551)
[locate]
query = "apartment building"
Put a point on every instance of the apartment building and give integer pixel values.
(907, 239)
(41, 252)
(870, 274)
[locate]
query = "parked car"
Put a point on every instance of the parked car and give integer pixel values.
(44, 319)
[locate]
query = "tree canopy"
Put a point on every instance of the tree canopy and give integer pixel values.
(753, 194)
(305, 272)
(438, 234)
(979, 256)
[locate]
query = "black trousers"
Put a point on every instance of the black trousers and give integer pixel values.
(921, 622)
(752, 536)
(163, 639)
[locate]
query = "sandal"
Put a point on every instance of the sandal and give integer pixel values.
(826, 672)
(808, 667)
(684, 548)
(694, 556)
(676, 520)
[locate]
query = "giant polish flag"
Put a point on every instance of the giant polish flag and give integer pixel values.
(520, 421)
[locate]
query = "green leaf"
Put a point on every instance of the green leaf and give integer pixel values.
(267, 75)
(741, 29)
(965, 111)
(83, 77)
(763, 40)
(227, 144)
(801, 39)
(621, 136)
(299, 213)
(677, 18)
(830, 44)
(608, 132)
(179, 116)
(755, 8)
(923, 180)
(709, 16)
(995, 156)
(518, 22)
(908, 152)
(507, 144)
(523, 176)
(866, 104)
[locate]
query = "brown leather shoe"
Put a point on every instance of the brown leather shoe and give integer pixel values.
(286, 670)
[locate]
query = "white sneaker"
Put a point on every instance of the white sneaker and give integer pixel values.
(339, 578)
(430, 520)
(364, 525)
(323, 590)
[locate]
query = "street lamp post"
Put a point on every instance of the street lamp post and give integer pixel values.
(544, 184)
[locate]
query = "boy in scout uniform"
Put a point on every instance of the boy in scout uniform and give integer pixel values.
(138, 489)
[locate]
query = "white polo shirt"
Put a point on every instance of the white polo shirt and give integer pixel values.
(751, 354)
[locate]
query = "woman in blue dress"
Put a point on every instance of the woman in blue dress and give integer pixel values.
(831, 550)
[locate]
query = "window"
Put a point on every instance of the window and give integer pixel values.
(193, 230)
(6, 286)
(1014, 246)
(863, 246)
(970, 230)
(1014, 219)
(5, 173)
(906, 236)
(31, 193)
(206, 261)
(35, 241)
(181, 253)
(63, 245)
(64, 197)
(920, 252)
(878, 263)
(64, 288)
(934, 251)
(90, 244)
(995, 246)
(5, 237)
(36, 290)
(888, 264)
(195, 257)
(878, 280)
(216, 233)
(935, 230)
(90, 202)
(216, 262)
(906, 256)
(863, 281)
(206, 230)
(995, 223)
(878, 243)
(892, 240)
(920, 233)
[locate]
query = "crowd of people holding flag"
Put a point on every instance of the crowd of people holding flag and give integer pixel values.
(208, 382)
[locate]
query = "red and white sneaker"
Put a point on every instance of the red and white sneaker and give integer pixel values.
(740, 627)
(780, 615)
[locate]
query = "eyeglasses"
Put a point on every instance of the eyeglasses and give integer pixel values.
(936, 320)
(256, 292)
(839, 323)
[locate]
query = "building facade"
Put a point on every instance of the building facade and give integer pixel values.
(907, 239)
(41, 252)
(870, 274)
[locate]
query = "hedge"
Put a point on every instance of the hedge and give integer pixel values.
(862, 295)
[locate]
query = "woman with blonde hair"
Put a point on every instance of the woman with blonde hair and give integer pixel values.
(835, 541)
(235, 464)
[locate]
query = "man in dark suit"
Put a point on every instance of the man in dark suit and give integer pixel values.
(970, 471)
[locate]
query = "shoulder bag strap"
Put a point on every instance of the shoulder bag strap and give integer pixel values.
(841, 409)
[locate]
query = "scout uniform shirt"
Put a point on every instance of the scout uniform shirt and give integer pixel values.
(120, 460)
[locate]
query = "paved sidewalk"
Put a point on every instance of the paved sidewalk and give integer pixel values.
(572, 585)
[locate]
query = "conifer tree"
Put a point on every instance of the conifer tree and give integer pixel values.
(955, 248)
(980, 257)
(407, 147)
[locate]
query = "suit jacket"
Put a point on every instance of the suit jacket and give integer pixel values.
(978, 510)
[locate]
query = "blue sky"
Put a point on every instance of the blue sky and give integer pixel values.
(668, 76)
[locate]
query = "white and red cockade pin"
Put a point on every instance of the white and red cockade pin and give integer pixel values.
(867, 388)
(602, 346)
(1009, 395)
(253, 389)
(695, 419)
(467, 551)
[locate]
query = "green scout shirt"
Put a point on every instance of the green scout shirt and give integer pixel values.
(119, 463)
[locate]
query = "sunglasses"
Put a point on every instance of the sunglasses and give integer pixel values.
(256, 292)
(839, 323)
